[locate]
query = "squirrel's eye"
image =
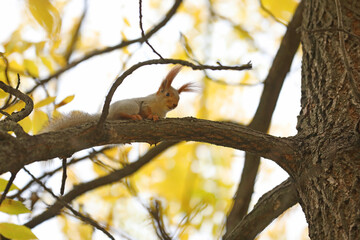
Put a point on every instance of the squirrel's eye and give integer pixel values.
(167, 94)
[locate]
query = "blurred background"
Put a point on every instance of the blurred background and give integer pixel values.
(194, 182)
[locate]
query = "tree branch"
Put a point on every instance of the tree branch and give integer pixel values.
(262, 118)
(129, 71)
(84, 218)
(64, 143)
(269, 207)
(122, 44)
(115, 176)
(29, 105)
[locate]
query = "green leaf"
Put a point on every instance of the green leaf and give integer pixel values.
(13, 207)
(14, 231)
(3, 184)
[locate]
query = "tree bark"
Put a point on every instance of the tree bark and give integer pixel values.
(328, 172)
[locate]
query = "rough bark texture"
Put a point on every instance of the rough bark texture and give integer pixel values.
(28, 149)
(328, 173)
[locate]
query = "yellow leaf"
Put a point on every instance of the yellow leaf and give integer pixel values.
(111, 152)
(3, 184)
(56, 114)
(3, 94)
(100, 171)
(85, 231)
(46, 15)
(126, 21)
(59, 59)
(39, 120)
(16, 66)
(282, 9)
(15, 108)
(44, 102)
(31, 67)
(123, 36)
(26, 124)
(14, 231)
(48, 63)
(65, 101)
(39, 46)
(13, 207)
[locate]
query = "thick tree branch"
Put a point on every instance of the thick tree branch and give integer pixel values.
(269, 207)
(262, 118)
(64, 143)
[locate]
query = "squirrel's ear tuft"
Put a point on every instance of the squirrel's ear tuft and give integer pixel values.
(166, 83)
(188, 87)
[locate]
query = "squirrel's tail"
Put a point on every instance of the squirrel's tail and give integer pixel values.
(71, 119)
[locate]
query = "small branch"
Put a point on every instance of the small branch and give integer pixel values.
(65, 204)
(269, 207)
(29, 105)
(8, 185)
(70, 48)
(102, 181)
(142, 31)
(122, 44)
(64, 176)
(121, 78)
(155, 210)
(6, 70)
(48, 174)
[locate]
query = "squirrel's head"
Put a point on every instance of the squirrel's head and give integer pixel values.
(169, 94)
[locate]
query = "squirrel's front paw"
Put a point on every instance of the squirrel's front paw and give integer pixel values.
(153, 117)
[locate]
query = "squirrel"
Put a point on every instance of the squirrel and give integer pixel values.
(153, 106)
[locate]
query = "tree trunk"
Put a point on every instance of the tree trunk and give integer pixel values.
(327, 177)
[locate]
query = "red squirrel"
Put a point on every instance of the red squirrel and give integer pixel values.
(153, 106)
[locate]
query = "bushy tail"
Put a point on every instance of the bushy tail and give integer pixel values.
(71, 119)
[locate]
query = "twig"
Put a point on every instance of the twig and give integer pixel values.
(101, 181)
(142, 31)
(47, 174)
(347, 61)
(6, 71)
(121, 78)
(122, 44)
(65, 204)
(29, 105)
(70, 48)
(155, 210)
(8, 185)
(64, 176)
(6, 68)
